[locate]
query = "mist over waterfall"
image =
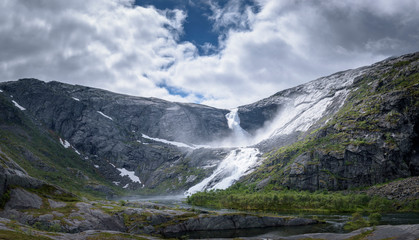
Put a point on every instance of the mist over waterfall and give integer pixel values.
(238, 162)
(239, 136)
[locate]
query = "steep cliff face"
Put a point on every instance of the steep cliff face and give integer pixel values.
(119, 134)
(65, 108)
(371, 138)
(32, 157)
(353, 128)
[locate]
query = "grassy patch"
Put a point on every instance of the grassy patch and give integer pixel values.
(12, 235)
(114, 236)
(246, 198)
(362, 235)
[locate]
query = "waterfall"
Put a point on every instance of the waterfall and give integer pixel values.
(240, 137)
(238, 162)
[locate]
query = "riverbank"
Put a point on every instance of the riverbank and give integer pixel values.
(397, 196)
(27, 213)
(10, 230)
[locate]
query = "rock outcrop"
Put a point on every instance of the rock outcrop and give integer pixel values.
(233, 221)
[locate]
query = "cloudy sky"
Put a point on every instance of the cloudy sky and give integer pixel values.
(222, 53)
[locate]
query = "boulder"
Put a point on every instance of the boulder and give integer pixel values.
(22, 199)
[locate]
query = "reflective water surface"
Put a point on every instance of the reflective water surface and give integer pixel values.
(333, 222)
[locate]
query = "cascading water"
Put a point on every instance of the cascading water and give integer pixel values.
(238, 162)
(240, 136)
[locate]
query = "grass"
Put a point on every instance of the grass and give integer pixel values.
(13, 235)
(243, 197)
(114, 236)
(362, 236)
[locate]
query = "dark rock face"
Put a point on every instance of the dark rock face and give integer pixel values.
(373, 109)
(108, 128)
(236, 221)
(67, 108)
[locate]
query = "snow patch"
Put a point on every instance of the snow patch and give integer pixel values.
(1, 91)
(126, 185)
(130, 174)
(96, 166)
(112, 165)
(300, 112)
(106, 116)
(174, 108)
(116, 183)
(18, 106)
(65, 143)
(238, 162)
(78, 100)
(177, 144)
(75, 150)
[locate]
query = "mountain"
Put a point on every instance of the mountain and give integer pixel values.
(350, 129)
(354, 128)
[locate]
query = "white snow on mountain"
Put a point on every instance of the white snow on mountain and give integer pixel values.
(18, 106)
(177, 144)
(308, 104)
(106, 116)
(130, 174)
(65, 143)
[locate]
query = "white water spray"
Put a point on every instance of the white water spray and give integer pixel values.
(238, 162)
(239, 136)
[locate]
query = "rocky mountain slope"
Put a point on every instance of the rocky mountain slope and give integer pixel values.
(369, 137)
(123, 137)
(353, 128)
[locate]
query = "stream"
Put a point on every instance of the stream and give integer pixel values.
(333, 222)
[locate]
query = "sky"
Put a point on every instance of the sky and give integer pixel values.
(222, 53)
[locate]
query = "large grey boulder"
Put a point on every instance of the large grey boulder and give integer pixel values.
(234, 221)
(22, 199)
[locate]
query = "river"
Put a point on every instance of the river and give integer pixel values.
(333, 222)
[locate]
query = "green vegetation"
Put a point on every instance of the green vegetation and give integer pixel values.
(12, 235)
(362, 235)
(357, 221)
(114, 236)
(4, 198)
(242, 197)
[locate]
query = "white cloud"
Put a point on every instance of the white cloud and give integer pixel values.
(101, 43)
(113, 45)
(292, 42)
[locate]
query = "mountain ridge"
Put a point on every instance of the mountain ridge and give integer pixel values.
(118, 134)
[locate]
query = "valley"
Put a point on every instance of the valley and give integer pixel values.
(73, 158)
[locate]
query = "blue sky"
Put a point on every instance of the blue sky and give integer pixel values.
(222, 53)
(198, 27)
